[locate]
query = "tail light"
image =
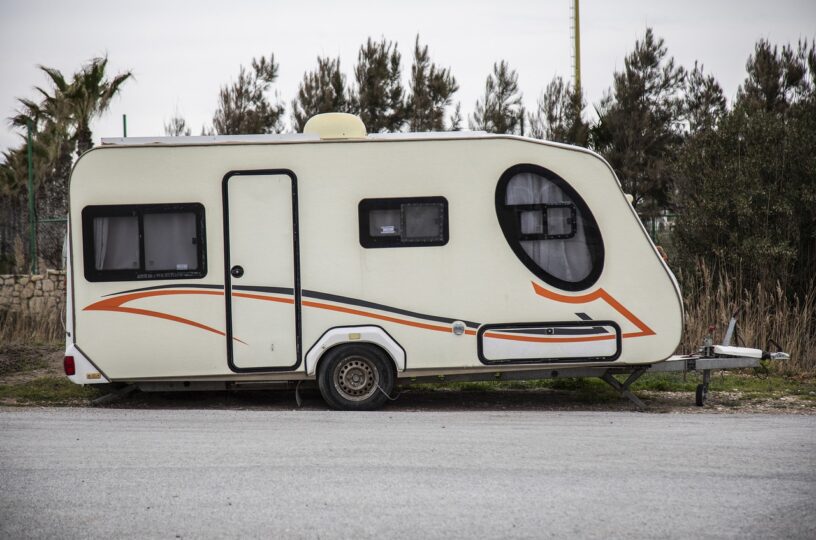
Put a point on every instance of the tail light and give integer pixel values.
(69, 365)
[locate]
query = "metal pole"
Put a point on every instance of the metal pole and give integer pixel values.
(124, 125)
(577, 46)
(32, 217)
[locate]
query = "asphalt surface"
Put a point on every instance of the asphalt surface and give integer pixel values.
(113, 473)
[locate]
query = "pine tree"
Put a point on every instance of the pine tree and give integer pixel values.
(176, 127)
(322, 90)
(558, 115)
(746, 181)
(378, 94)
(244, 107)
(704, 102)
(775, 81)
(500, 109)
(430, 89)
(455, 120)
(639, 128)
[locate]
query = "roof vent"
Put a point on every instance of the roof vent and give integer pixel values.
(336, 126)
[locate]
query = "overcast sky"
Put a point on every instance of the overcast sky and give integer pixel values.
(182, 52)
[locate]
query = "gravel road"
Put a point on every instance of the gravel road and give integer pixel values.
(113, 473)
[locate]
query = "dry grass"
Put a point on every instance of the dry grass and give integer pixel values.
(763, 315)
(26, 329)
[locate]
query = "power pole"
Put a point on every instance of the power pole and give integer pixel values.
(576, 36)
(32, 208)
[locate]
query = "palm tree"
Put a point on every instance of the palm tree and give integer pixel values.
(89, 95)
(53, 121)
(60, 119)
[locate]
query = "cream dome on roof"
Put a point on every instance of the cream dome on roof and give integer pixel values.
(335, 126)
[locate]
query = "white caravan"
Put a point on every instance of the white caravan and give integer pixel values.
(356, 260)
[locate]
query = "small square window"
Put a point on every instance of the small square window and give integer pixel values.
(560, 221)
(532, 222)
(423, 222)
(408, 222)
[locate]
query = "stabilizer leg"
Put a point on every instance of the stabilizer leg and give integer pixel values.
(116, 394)
(623, 387)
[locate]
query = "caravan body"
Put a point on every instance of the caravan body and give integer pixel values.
(252, 258)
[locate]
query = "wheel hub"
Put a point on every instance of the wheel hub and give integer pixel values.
(356, 378)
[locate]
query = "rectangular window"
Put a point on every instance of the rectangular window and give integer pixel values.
(406, 222)
(139, 242)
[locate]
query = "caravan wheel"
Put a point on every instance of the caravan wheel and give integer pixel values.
(356, 377)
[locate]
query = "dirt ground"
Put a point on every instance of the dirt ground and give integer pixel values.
(20, 363)
(32, 365)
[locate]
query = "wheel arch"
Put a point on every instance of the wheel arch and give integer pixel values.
(342, 335)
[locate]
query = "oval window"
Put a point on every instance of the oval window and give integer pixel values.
(549, 227)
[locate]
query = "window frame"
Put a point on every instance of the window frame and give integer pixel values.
(510, 223)
(89, 213)
(366, 206)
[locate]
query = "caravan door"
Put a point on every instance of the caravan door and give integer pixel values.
(262, 284)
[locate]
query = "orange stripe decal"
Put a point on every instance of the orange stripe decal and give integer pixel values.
(115, 304)
(599, 294)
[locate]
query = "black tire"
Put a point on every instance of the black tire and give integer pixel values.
(356, 377)
(701, 395)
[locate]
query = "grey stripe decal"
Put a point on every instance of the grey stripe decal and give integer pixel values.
(273, 290)
(382, 307)
(180, 286)
(550, 331)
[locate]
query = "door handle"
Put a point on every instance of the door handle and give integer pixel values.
(237, 271)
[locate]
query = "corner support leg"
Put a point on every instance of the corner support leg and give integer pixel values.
(115, 395)
(623, 388)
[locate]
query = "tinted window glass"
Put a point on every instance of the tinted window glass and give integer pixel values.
(384, 222)
(170, 241)
(408, 222)
(549, 226)
(423, 222)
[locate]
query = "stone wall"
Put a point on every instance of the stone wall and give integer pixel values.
(33, 294)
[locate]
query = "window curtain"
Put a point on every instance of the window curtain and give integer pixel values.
(116, 243)
(100, 242)
(568, 259)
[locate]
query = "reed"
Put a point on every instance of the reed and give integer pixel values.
(763, 314)
(18, 328)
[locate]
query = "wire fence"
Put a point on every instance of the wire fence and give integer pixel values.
(22, 252)
(51, 246)
(660, 228)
